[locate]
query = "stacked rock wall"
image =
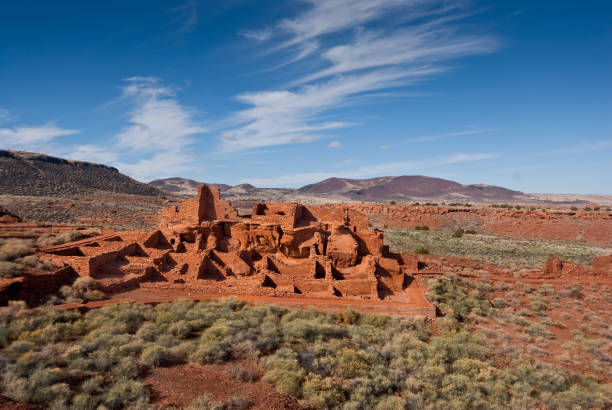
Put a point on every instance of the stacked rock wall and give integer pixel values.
(281, 249)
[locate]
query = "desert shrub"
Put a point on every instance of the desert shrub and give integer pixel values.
(499, 302)
(9, 269)
(124, 392)
(547, 290)
(234, 403)
(322, 393)
(470, 231)
(446, 292)
(204, 402)
(537, 329)
(65, 359)
(458, 233)
(537, 304)
(154, 356)
(526, 287)
(11, 249)
(392, 403)
(66, 236)
(421, 228)
(572, 290)
(587, 208)
(243, 374)
(84, 288)
(422, 250)
(285, 372)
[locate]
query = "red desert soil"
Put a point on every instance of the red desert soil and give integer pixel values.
(10, 404)
(178, 386)
(157, 295)
(559, 224)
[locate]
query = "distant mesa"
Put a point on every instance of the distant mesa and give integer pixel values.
(27, 173)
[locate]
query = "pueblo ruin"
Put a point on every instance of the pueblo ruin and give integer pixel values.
(281, 250)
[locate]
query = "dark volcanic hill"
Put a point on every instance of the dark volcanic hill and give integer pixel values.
(407, 188)
(26, 173)
(381, 189)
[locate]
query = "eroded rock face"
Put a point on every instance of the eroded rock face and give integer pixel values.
(281, 249)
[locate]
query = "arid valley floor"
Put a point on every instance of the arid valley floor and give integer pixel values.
(520, 289)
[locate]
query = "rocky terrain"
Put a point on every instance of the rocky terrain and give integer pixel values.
(26, 173)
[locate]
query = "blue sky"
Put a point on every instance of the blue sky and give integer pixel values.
(511, 93)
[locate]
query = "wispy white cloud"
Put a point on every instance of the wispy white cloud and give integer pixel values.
(423, 44)
(157, 142)
(257, 35)
(385, 146)
(335, 144)
(438, 137)
(29, 137)
(357, 67)
(586, 146)
(94, 153)
(186, 16)
(159, 122)
(285, 117)
(387, 168)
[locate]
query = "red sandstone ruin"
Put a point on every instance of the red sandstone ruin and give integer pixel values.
(282, 249)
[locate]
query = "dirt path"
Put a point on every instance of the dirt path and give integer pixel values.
(417, 306)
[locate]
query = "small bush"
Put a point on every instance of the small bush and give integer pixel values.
(285, 372)
(83, 289)
(235, 403)
(499, 303)
(458, 233)
(9, 269)
(421, 228)
(537, 304)
(422, 250)
(11, 249)
(66, 236)
(204, 402)
(243, 374)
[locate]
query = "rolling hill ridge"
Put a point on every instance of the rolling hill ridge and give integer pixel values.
(26, 173)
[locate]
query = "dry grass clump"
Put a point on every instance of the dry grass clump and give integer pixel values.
(66, 236)
(83, 289)
(207, 402)
(244, 374)
(16, 255)
(65, 359)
